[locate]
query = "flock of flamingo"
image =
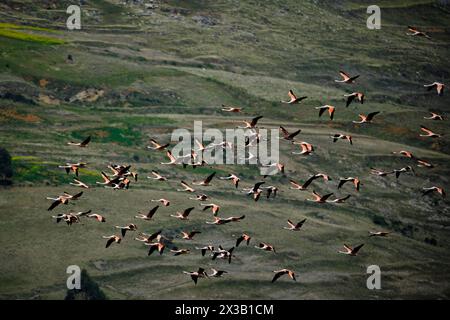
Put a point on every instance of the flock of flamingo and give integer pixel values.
(121, 176)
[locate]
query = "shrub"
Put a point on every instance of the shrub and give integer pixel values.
(6, 171)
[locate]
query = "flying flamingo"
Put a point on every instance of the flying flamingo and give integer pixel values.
(355, 95)
(112, 239)
(296, 226)
(351, 251)
(429, 133)
(429, 190)
(438, 86)
(346, 78)
(244, 237)
(342, 136)
(413, 31)
(328, 108)
(279, 273)
(366, 119)
(231, 109)
(82, 144)
(165, 202)
(293, 98)
(318, 198)
(149, 215)
(434, 116)
(157, 146)
(235, 179)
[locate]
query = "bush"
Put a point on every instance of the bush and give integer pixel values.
(379, 220)
(6, 171)
(431, 241)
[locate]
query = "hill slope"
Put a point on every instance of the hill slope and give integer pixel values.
(152, 69)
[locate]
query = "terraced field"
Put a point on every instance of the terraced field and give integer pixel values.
(146, 71)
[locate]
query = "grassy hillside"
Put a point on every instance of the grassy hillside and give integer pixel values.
(152, 69)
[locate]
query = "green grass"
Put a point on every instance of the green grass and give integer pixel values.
(24, 27)
(46, 40)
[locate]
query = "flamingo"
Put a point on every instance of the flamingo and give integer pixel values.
(157, 176)
(318, 198)
(380, 173)
(355, 95)
(293, 98)
(196, 274)
(200, 197)
(223, 254)
(63, 199)
(413, 31)
(307, 148)
(148, 238)
(429, 133)
(346, 78)
(78, 183)
(340, 200)
(155, 246)
(178, 252)
(157, 146)
(190, 235)
(288, 135)
(107, 181)
(82, 144)
(304, 186)
(217, 273)
(438, 86)
(322, 175)
(244, 237)
(251, 124)
(279, 273)
(294, 227)
(128, 227)
(172, 159)
(218, 221)
(149, 215)
(266, 247)
(69, 218)
(205, 182)
(429, 190)
(342, 136)
(434, 116)
(120, 170)
(378, 233)
(366, 119)
(351, 251)
(186, 187)
(328, 108)
(231, 109)
(95, 216)
(183, 215)
(402, 170)
(405, 153)
(204, 249)
(424, 163)
(235, 219)
(214, 208)
(112, 239)
(74, 167)
(356, 182)
(164, 202)
(271, 190)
